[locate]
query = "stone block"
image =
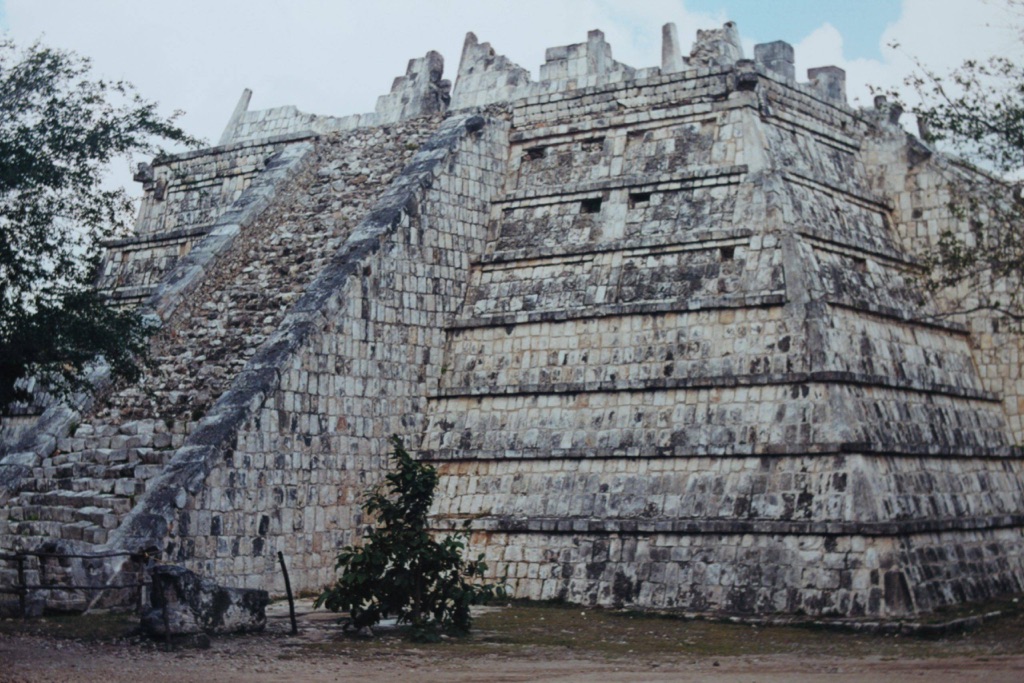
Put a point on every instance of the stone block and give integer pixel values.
(183, 603)
(777, 57)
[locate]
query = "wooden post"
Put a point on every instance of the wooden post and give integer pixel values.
(22, 588)
(167, 621)
(288, 590)
(140, 577)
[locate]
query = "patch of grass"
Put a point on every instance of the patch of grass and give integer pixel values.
(570, 630)
(1006, 605)
(100, 627)
(551, 630)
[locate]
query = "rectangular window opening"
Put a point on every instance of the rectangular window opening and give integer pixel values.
(591, 205)
(639, 199)
(727, 253)
(534, 153)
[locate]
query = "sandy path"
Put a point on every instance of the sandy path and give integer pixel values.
(29, 659)
(320, 654)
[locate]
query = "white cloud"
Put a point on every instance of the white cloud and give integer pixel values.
(940, 34)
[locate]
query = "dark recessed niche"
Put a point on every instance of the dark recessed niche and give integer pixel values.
(727, 253)
(860, 265)
(640, 199)
(591, 205)
(534, 153)
(592, 144)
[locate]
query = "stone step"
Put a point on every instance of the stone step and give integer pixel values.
(65, 471)
(88, 432)
(32, 533)
(47, 513)
(61, 497)
(128, 488)
(101, 517)
(44, 485)
(122, 471)
(91, 431)
(153, 456)
(28, 534)
(87, 531)
(105, 456)
(84, 485)
(89, 515)
(67, 448)
(33, 484)
(78, 500)
(147, 472)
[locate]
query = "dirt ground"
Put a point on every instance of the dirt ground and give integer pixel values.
(516, 643)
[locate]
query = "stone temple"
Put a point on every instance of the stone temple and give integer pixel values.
(660, 330)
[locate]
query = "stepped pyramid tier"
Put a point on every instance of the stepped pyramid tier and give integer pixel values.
(659, 329)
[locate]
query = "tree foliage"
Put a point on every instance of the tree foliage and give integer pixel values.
(59, 131)
(977, 109)
(400, 570)
(977, 112)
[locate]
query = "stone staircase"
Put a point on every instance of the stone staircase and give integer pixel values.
(79, 494)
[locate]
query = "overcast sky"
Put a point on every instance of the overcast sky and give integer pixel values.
(336, 56)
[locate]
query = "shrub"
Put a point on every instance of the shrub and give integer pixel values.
(400, 570)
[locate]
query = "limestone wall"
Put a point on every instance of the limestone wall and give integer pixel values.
(222, 302)
(420, 92)
(47, 455)
(184, 196)
(840, 575)
(921, 186)
(675, 348)
(690, 369)
(292, 477)
(218, 328)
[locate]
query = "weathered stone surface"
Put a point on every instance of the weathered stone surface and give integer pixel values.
(485, 77)
(659, 330)
(236, 117)
(183, 603)
(420, 92)
(720, 46)
(776, 57)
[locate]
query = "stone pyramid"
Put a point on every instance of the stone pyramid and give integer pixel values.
(659, 329)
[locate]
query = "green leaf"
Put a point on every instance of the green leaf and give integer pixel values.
(401, 567)
(59, 131)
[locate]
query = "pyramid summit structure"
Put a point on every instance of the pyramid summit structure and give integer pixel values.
(660, 331)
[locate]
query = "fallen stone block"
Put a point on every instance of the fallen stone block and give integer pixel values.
(184, 603)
